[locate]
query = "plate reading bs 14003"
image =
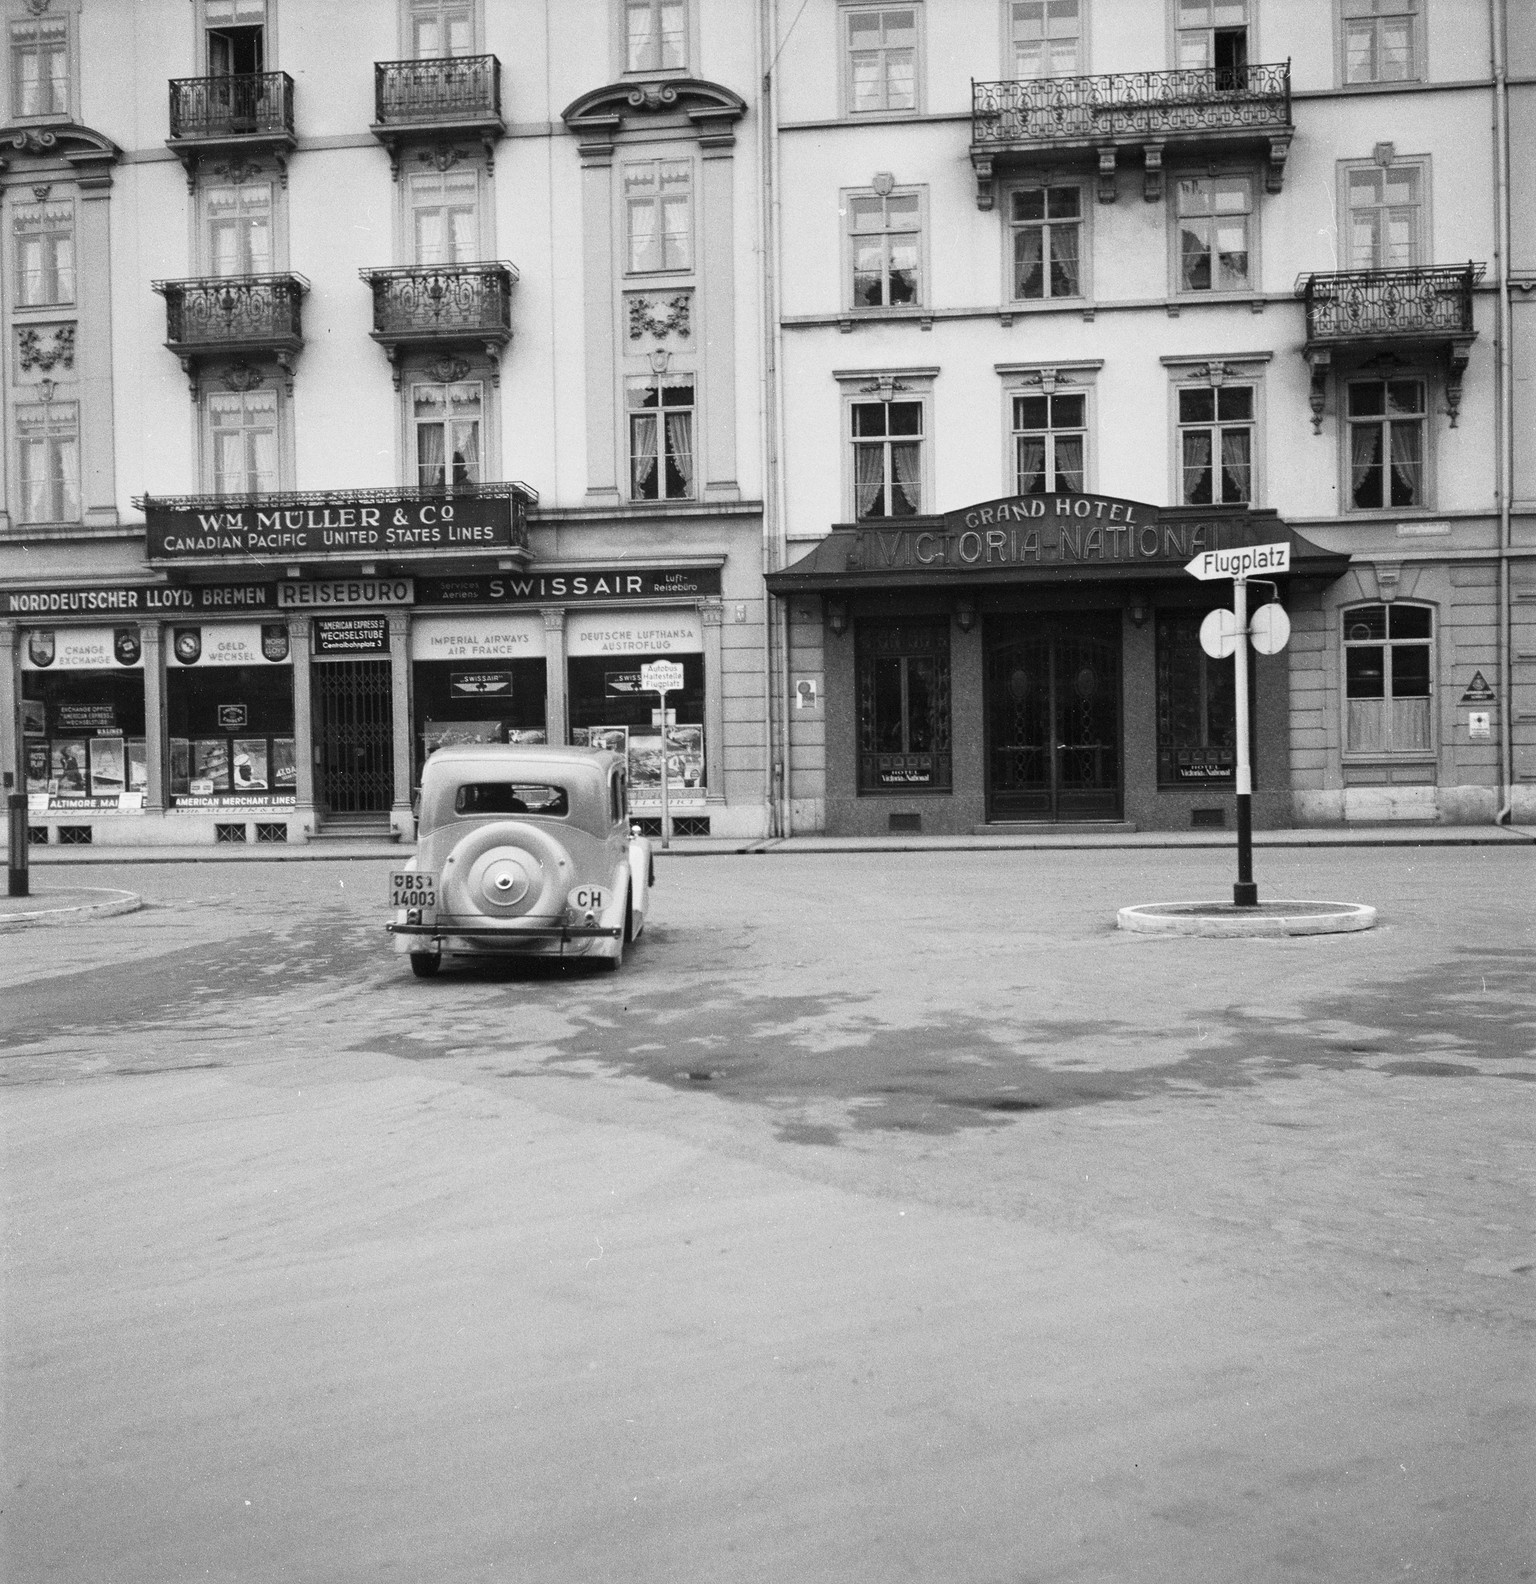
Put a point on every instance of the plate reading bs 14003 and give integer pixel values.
(412, 888)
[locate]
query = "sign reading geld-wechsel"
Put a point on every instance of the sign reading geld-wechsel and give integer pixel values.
(457, 523)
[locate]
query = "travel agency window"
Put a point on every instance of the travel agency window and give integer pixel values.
(1212, 35)
(885, 245)
(1215, 235)
(903, 679)
(1389, 680)
(1046, 38)
(880, 63)
(1196, 706)
(604, 653)
(1048, 252)
(1386, 421)
(1218, 422)
(477, 678)
(229, 710)
(82, 712)
(1380, 40)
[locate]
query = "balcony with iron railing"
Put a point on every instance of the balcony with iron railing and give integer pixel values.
(1192, 110)
(1424, 310)
(234, 317)
(453, 96)
(251, 111)
(441, 306)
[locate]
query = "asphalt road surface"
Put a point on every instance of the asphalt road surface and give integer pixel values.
(887, 1218)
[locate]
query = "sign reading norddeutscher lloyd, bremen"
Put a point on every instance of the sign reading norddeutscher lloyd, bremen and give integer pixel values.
(136, 599)
(379, 527)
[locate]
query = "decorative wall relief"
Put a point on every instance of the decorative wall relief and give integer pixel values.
(660, 316)
(45, 348)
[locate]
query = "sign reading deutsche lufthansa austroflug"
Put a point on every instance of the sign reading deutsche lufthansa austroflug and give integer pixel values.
(1062, 531)
(459, 522)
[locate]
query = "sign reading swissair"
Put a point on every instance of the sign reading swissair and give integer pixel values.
(1241, 563)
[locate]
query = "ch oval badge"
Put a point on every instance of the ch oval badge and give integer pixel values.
(274, 642)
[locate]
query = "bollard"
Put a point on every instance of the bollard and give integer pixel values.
(17, 877)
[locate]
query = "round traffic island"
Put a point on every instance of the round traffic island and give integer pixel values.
(1224, 918)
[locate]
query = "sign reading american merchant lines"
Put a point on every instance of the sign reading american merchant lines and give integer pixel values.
(1091, 531)
(458, 522)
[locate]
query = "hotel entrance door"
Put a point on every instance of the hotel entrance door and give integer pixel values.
(1053, 717)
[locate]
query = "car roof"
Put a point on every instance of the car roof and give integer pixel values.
(522, 759)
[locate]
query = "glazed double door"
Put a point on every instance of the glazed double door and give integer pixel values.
(1053, 718)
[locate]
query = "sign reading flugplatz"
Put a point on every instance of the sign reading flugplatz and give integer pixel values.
(1241, 563)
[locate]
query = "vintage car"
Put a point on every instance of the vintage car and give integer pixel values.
(522, 850)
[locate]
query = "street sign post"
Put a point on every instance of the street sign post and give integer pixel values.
(1224, 633)
(663, 677)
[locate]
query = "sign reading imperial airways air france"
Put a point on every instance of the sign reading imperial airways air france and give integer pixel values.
(396, 526)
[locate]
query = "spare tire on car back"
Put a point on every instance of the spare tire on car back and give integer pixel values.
(508, 870)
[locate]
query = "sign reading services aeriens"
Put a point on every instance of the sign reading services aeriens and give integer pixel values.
(1062, 531)
(396, 526)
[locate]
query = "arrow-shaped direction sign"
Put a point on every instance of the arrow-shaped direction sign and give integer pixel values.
(1240, 563)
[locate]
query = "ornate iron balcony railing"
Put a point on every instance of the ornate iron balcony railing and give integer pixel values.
(442, 301)
(1151, 104)
(1370, 305)
(260, 103)
(456, 88)
(236, 311)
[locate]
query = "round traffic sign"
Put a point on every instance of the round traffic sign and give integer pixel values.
(1218, 634)
(1270, 629)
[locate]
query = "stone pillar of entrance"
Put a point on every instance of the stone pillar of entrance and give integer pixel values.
(153, 651)
(556, 716)
(712, 616)
(12, 749)
(401, 821)
(303, 727)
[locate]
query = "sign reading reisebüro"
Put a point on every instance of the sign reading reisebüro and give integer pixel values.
(393, 526)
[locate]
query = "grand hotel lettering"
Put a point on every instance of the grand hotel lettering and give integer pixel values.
(1056, 530)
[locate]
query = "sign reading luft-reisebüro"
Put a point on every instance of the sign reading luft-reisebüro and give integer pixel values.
(381, 526)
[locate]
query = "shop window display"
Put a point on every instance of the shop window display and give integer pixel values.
(82, 710)
(1196, 706)
(904, 711)
(499, 700)
(609, 710)
(231, 734)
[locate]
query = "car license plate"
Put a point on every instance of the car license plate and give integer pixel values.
(411, 888)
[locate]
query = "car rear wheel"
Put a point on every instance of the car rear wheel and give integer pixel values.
(425, 965)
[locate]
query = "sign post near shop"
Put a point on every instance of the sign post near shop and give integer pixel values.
(663, 677)
(1228, 632)
(17, 882)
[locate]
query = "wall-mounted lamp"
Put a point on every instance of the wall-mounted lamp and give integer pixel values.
(837, 616)
(1139, 612)
(965, 613)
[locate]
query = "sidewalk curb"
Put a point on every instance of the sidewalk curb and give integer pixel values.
(117, 902)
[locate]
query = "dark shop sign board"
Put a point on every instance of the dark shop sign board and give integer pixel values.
(145, 599)
(351, 634)
(598, 583)
(378, 528)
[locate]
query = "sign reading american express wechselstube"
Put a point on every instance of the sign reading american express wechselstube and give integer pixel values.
(388, 526)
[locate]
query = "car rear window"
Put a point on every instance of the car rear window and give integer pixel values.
(510, 797)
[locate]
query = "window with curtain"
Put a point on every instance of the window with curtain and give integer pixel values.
(1196, 706)
(447, 421)
(658, 211)
(1385, 216)
(661, 461)
(1216, 445)
(444, 217)
(1047, 225)
(1215, 216)
(1388, 675)
(40, 67)
(903, 673)
(1380, 40)
(1213, 36)
(45, 253)
(881, 44)
(442, 27)
(242, 436)
(1049, 440)
(887, 458)
(1047, 38)
(239, 228)
(656, 35)
(886, 238)
(48, 461)
(1386, 443)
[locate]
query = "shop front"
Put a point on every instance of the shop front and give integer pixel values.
(1035, 662)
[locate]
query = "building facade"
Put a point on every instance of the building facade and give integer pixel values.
(1070, 289)
(379, 374)
(394, 372)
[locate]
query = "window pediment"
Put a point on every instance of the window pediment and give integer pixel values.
(601, 115)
